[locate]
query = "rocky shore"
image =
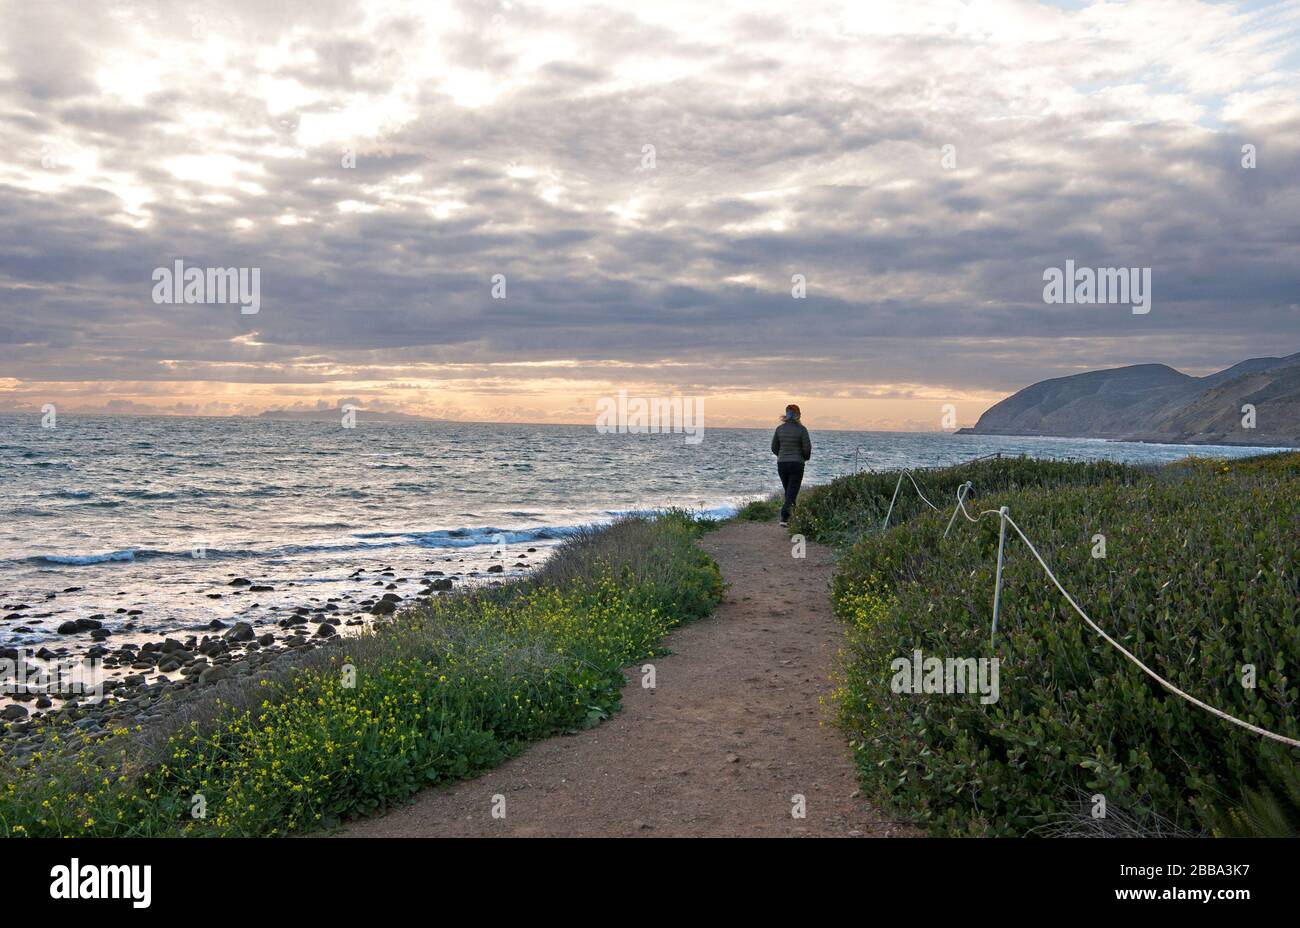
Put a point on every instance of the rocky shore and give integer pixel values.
(141, 676)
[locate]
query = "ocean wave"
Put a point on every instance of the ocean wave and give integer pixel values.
(30, 511)
(469, 537)
(72, 494)
(188, 492)
(367, 541)
(472, 537)
(84, 559)
(84, 498)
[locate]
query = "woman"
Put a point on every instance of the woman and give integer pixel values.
(792, 448)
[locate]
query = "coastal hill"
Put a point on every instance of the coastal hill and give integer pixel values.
(1154, 402)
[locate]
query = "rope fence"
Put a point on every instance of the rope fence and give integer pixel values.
(1004, 518)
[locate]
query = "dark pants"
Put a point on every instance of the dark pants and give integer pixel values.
(791, 474)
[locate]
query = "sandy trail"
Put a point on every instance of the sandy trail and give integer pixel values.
(721, 747)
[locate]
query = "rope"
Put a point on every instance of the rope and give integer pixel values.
(884, 525)
(1004, 515)
(1149, 672)
(918, 491)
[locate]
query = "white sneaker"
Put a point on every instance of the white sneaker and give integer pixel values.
(785, 525)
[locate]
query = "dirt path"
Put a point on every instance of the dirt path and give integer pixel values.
(720, 747)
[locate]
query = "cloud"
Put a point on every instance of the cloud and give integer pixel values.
(511, 139)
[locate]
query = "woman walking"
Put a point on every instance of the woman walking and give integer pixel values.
(792, 447)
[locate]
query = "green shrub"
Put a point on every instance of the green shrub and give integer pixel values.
(848, 507)
(1199, 579)
(759, 510)
(442, 691)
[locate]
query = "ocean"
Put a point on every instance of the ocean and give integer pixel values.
(144, 522)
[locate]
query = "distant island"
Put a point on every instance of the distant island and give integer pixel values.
(1155, 403)
(334, 415)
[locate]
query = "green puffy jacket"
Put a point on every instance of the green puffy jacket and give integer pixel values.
(790, 442)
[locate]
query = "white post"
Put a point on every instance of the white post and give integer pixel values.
(997, 584)
(897, 487)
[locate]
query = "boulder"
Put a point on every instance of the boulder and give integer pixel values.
(241, 631)
(214, 674)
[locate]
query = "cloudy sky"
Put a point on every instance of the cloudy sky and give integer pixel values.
(648, 177)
